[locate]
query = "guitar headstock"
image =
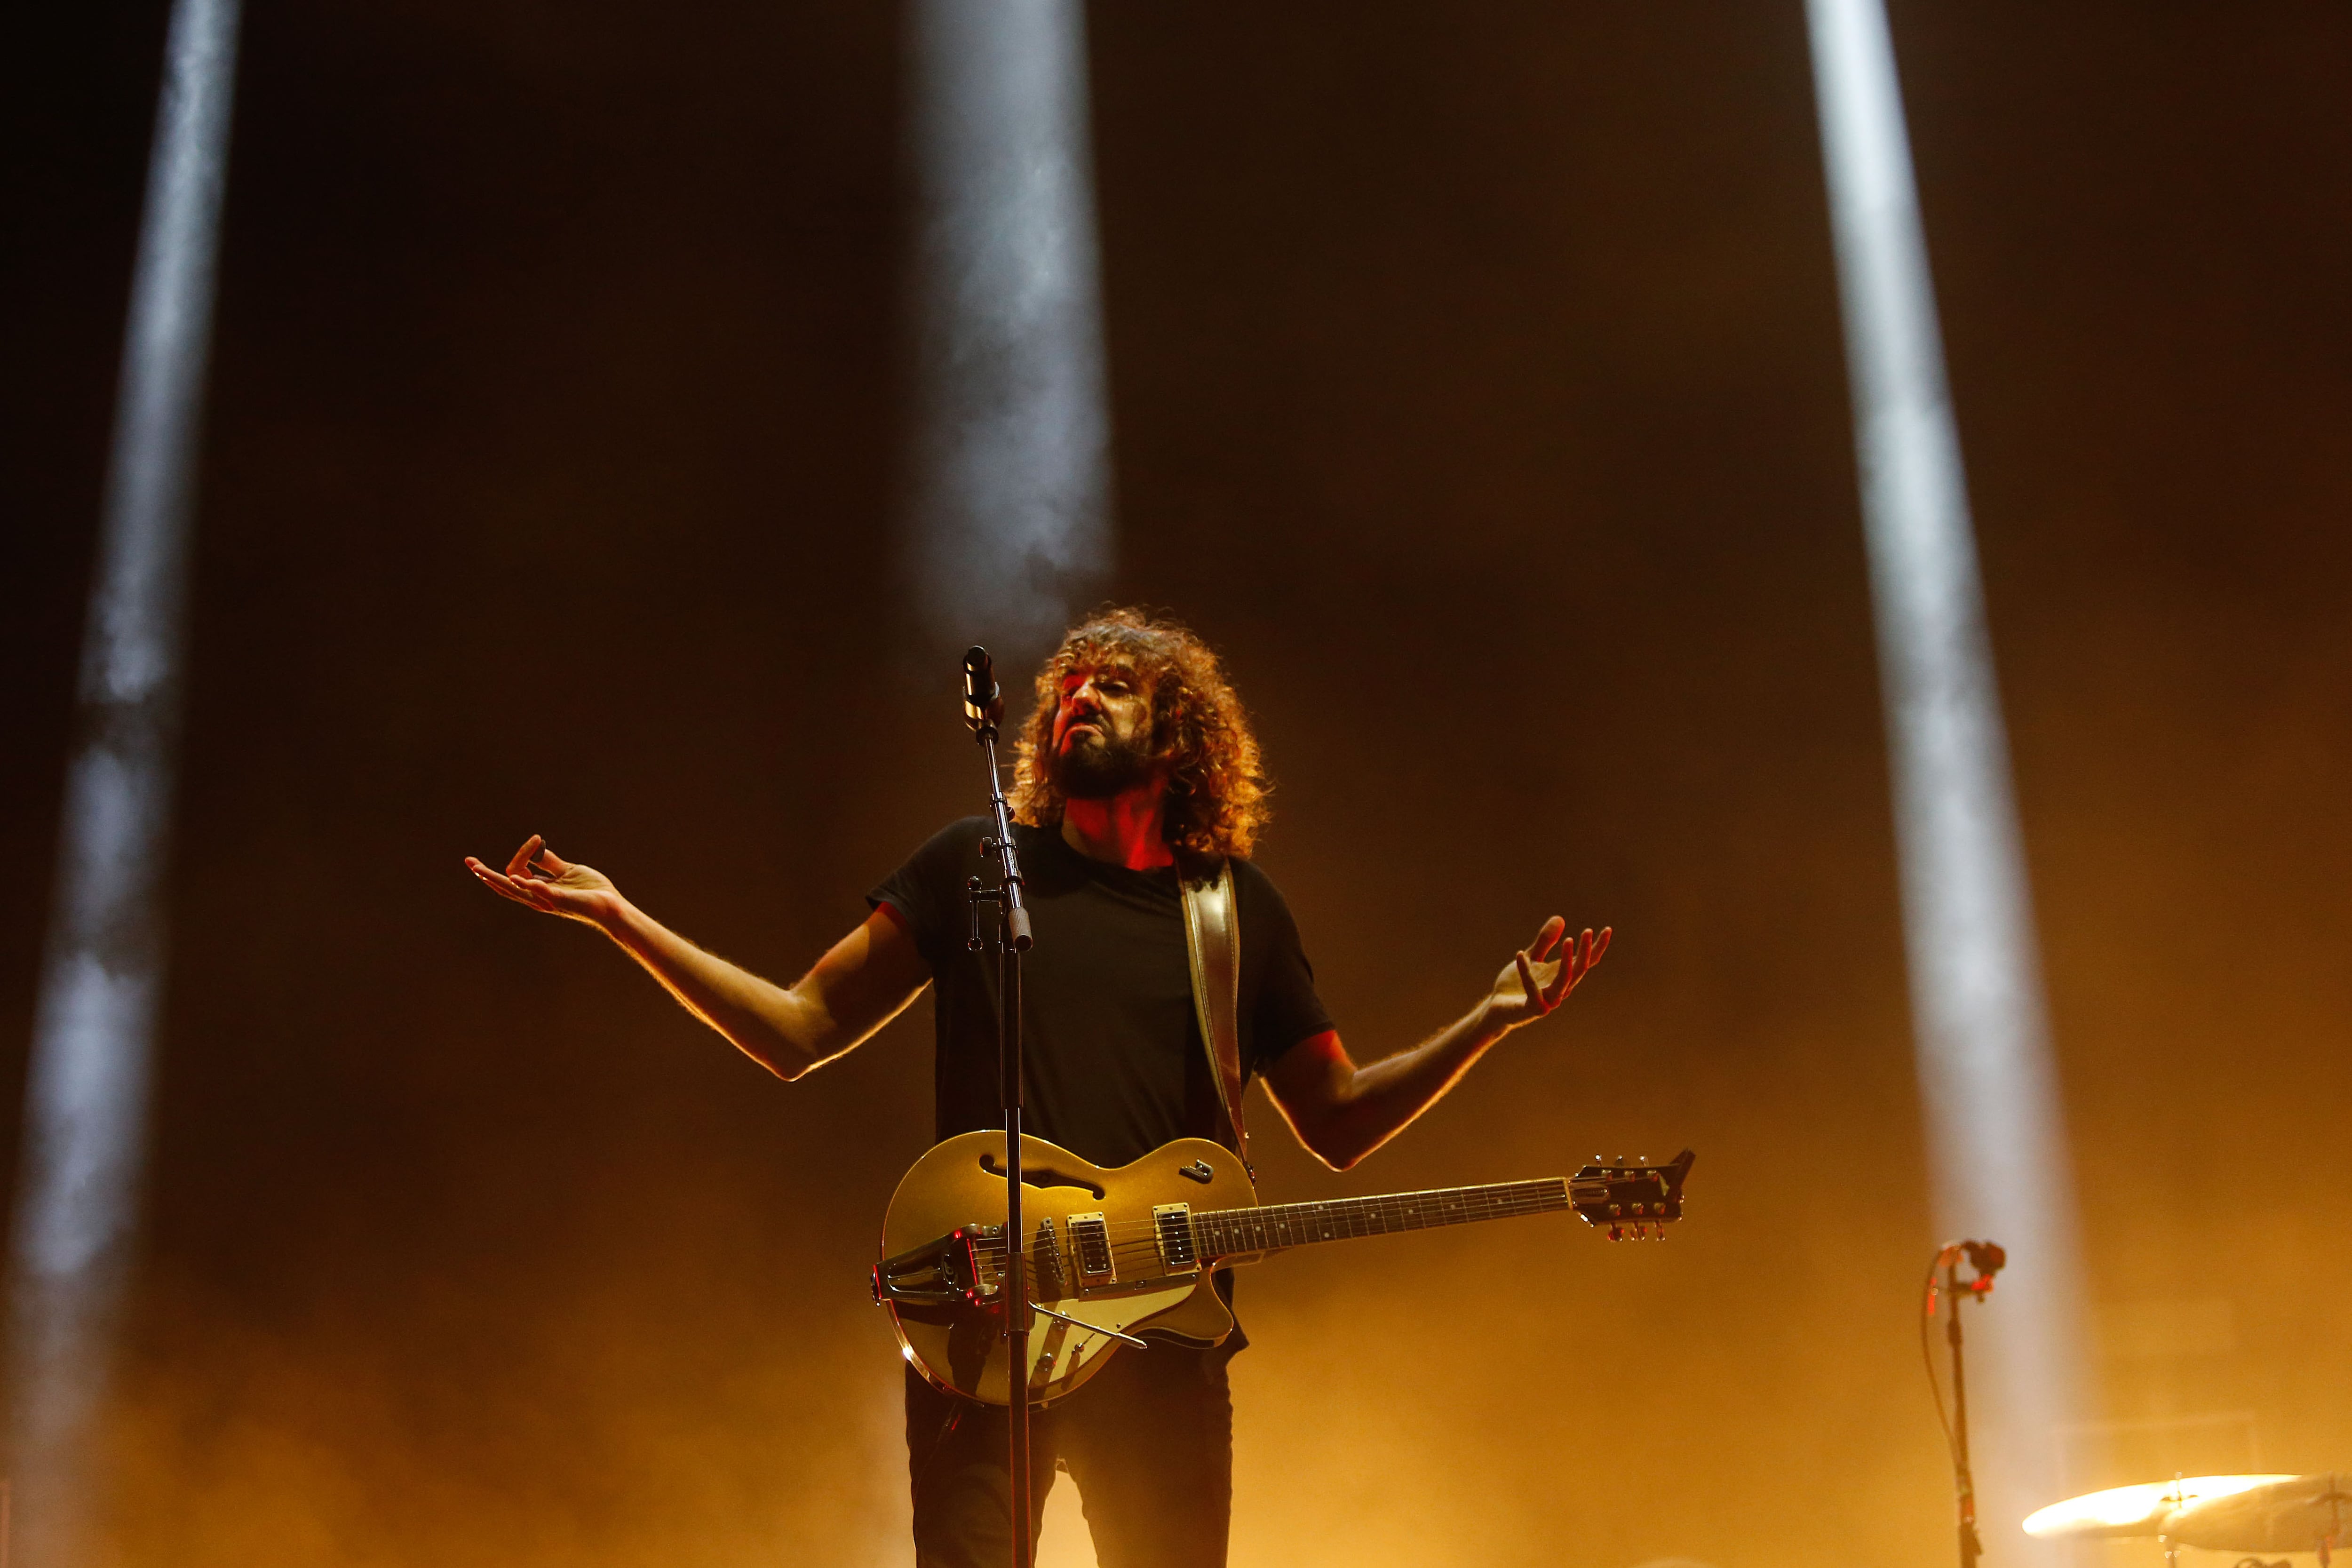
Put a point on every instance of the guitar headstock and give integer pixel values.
(1626, 1197)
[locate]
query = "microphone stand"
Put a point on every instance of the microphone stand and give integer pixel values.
(1964, 1479)
(983, 707)
(1987, 1259)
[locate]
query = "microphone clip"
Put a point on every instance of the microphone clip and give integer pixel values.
(983, 700)
(1985, 1257)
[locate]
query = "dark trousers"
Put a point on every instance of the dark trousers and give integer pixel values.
(1148, 1440)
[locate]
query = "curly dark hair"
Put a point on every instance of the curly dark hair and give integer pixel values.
(1216, 801)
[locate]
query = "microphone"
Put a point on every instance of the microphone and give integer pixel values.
(1985, 1257)
(983, 701)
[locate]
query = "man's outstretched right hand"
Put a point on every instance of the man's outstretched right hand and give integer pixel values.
(537, 876)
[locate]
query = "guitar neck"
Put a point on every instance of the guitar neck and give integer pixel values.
(1226, 1232)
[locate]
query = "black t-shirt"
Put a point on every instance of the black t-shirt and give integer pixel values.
(1111, 1052)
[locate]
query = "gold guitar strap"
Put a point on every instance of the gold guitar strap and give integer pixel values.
(1213, 936)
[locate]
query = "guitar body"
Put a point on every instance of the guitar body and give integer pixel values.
(1111, 1249)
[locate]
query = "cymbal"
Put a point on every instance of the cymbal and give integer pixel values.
(2301, 1513)
(2141, 1509)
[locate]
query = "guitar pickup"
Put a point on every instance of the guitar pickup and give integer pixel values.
(1090, 1240)
(1172, 1225)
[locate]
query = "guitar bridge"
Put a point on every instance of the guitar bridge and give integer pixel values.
(1048, 1263)
(1171, 1224)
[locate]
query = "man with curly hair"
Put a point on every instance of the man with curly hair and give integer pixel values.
(1136, 769)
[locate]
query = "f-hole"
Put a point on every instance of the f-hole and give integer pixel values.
(1032, 1176)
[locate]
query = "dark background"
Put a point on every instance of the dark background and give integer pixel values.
(1477, 389)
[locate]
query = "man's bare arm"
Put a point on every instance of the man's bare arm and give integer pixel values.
(867, 979)
(1342, 1111)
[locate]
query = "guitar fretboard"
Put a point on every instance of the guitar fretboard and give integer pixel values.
(1222, 1232)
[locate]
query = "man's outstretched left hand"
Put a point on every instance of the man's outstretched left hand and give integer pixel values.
(1541, 974)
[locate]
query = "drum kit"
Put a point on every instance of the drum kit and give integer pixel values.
(2214, 1513)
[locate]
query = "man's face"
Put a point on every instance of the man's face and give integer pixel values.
(1102, 733)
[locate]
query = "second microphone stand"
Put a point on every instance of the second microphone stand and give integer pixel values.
(1987, 1259)
(983, 707)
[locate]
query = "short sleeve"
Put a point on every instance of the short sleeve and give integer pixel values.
(928, 890)
(1284, 1009)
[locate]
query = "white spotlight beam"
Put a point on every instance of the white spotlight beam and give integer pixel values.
(1012, 439)
(1995, 1126)
(86, 1095)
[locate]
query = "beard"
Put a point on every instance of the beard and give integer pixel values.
(1100, 767)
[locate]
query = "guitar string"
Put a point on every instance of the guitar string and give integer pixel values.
(1446, 1206)
(1551, 1191)
(1227, 1232)
(1127, 1256)
(1312, 1222)
(1543, 1189)
(1254, 1227)
(1222, 1233)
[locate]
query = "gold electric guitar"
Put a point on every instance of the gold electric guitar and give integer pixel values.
(1117, 1254)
